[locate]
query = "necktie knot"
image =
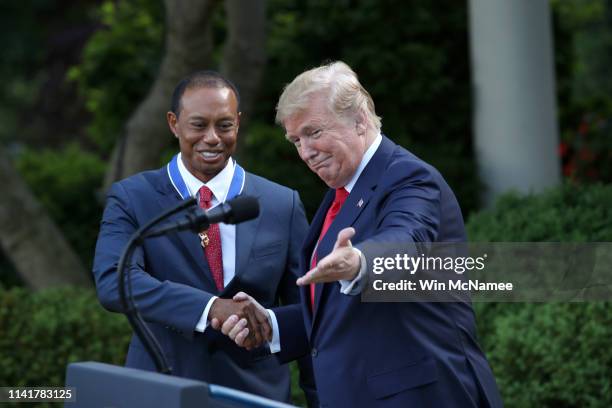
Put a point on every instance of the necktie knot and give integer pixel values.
(205, 197)
(341, 196)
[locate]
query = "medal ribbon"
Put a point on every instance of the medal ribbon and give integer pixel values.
(177, 181)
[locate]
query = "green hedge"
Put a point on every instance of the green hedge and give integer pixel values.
(66, 183)
(42, 332)
(558, 354)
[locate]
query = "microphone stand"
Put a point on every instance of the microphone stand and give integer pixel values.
(127, 301)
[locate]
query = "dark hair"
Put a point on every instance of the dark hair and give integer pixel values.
(200, 79)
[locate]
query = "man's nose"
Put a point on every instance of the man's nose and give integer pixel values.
(307, 151)
(210, 136)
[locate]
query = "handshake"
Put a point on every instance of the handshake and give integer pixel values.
(242, 319)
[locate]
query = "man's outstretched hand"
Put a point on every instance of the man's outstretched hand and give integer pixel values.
(242, 319)
(341, 264)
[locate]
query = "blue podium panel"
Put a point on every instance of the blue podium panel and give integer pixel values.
(105, 385)
(230, 397)
(99, 385)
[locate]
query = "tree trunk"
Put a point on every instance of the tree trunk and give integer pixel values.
(31, 240)
(188, 48)
(244, 55)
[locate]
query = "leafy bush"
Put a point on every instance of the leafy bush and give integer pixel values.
(66, 182)
(42, 332)
(554, 355)
(558, 354)
(586, 155)
(119, 65)
(570, 213)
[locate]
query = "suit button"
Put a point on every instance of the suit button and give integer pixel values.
(314, 352)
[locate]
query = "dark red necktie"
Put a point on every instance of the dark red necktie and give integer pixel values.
(212, 245)
(334, 209)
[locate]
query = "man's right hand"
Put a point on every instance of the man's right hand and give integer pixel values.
(242, 319)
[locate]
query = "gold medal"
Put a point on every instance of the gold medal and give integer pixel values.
(204, 240)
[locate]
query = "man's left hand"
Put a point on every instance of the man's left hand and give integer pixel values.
(341, 264)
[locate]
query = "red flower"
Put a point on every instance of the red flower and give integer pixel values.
(569, 169)
(592, 173)
(563, 149)
(586, 155)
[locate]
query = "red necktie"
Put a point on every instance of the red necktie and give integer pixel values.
(334, 209)
(213, 249)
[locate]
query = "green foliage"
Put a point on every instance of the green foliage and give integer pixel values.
(586, 154)
(22, 35)
(119, 65)
(590, 24)
(554, 355)
(8, 275)
(570, 213)
(65, 182)
(548, 355)
(297, 395)
(42, 332)
(413, 58)
(583, 52)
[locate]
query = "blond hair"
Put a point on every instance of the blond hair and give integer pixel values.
(346, 95)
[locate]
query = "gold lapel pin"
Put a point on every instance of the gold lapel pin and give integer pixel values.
(204, 240)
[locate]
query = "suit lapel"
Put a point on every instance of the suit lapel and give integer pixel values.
(310, 243)
(188, 240)
(246, 232)
(352, 208)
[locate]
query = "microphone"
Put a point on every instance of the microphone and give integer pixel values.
(239, 209)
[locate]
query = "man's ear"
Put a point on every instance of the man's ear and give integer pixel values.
(238, 121)
(171, 119)
(361, 124)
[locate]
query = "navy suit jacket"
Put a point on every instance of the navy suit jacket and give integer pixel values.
(172, 283)
(389, 354)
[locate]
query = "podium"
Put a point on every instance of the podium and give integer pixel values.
(108, 386)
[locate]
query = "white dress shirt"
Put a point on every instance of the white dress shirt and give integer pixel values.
(352, 287)
(219, 185)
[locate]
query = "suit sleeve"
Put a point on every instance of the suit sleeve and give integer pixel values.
(293, 337)
(290, 295)
(177, 306)
(410, 213)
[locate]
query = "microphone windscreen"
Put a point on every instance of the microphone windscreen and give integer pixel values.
(243, 208)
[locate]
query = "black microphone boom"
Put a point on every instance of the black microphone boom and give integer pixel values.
(241, 208)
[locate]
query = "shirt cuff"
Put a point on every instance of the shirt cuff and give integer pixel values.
(355, 286)
(274, 345)
(203, 322)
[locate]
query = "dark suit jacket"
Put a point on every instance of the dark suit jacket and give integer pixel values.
(389, 354)
(172, 283)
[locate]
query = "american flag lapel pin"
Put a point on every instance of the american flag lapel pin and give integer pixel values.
(360, 203)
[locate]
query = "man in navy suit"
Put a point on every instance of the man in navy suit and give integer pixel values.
(180, 281)
(417, 354)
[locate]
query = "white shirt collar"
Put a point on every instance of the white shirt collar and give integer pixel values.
(364, 162)
(219, 185)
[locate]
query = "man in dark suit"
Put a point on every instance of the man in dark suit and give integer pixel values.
(417, 354)
(180, 280)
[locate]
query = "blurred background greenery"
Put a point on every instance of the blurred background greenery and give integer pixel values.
(76, 72)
